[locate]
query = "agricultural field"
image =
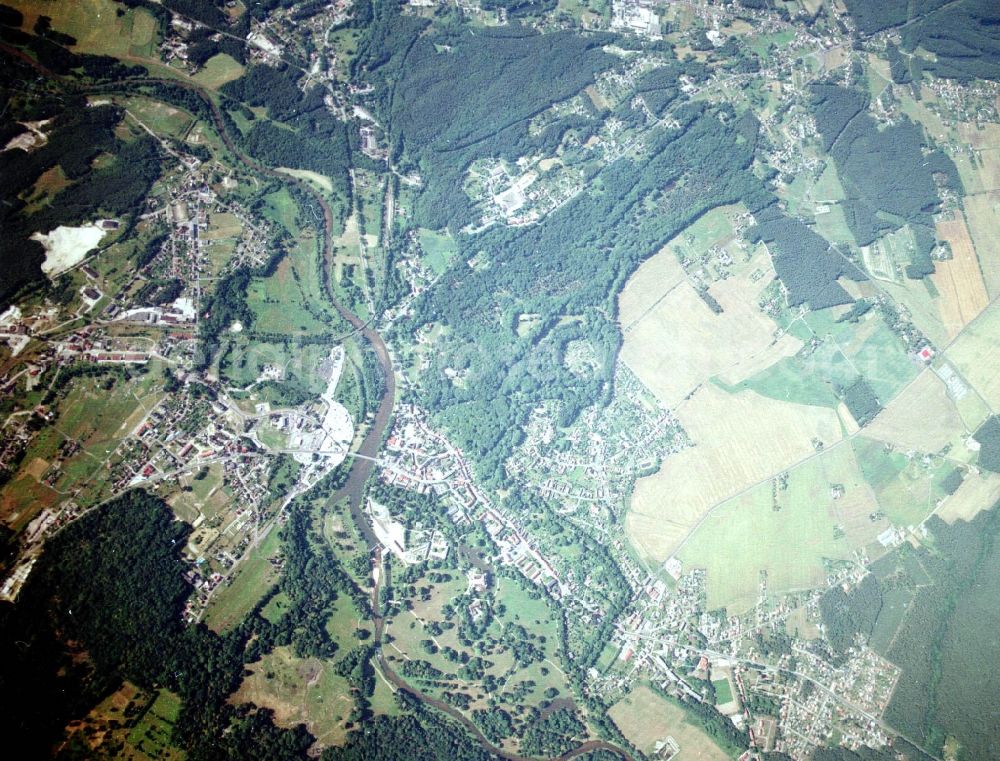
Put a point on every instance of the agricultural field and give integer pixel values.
(654, 279)
(646, 719)
(739, 440)
(97, 26)
(94, 419)
(958, 280)
(907, 485)
(923, 418)
(979, 491)
(299, 691)
(787, 527)
(675, 342)
(976, 354)
(982, 213)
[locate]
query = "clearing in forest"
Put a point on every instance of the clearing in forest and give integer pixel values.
(299, 690)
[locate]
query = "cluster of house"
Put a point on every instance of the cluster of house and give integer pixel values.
(418, 458)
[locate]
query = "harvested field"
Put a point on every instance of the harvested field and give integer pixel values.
(983, 216)
(976, 355)
(922, 418)
(740, 439)
(646, 719)
(979, 491)
(958, 280)
(657, 276)
(677, 343)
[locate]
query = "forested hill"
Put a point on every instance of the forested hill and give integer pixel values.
(904, 192)
(963, 36)
(466, 95)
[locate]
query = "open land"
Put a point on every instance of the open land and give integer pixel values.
(646, 719)
(923, 417)
(739, 440)
(976, 354)
(784, 529)
(958, 280)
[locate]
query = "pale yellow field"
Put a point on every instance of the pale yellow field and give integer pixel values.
(983, 214)
(678, 342)
(977, 492)
(649, 284)
(645, 718)
(958, 280)
(976, 354)
(922, 417)
(321, 180)
(740, 439)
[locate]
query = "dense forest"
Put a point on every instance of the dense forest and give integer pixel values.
(946, 646)
(464, 96)
(963, 37)
(904, 192)
(988, 437)
(848, 614)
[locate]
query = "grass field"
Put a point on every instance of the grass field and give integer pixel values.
(646, 719)
(218, 70)
(923, 417)
(723, 691)
(96, 26)
(740, 439)
(979, 491)
(439, 249)
(976, 354)
(747, 535)
(958, 280)
(319, 181)
(163, 119)
(907, 488)
(299, 690)
(254, 576)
